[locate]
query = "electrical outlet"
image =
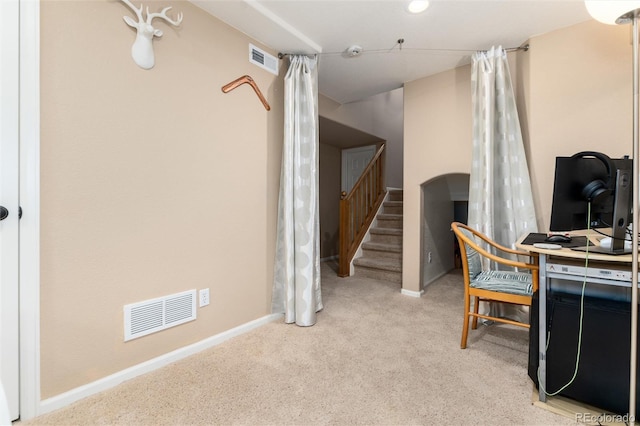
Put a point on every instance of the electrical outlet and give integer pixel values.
(204, 297)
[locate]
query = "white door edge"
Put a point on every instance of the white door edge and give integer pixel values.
(30, 202)
(9, 199)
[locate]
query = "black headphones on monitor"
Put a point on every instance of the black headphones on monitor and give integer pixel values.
(597, 188)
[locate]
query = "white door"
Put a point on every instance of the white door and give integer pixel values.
(9, 194)
(354, 161)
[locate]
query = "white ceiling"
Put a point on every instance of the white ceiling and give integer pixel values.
(441, 38)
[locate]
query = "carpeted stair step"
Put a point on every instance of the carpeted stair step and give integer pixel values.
(381, 250)
(389, 221)
(392, 207)
(380, 269)
(382, 255)
(396, 195)
(386, 235)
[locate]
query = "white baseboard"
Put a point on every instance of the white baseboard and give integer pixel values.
(411, 293)
(421, 292)
(108, 382)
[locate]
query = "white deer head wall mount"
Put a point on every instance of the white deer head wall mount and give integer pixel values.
(142, 49)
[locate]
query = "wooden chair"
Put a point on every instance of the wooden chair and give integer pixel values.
(514, 287)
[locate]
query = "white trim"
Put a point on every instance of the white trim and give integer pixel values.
(421, 292)
(411, 293)
(30, 202)
(108, 382)
(290, 30)
(9, 192)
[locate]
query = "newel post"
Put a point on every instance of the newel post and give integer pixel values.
(344, 269)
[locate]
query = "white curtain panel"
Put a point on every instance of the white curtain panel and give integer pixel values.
(296, 286)
(500, 197)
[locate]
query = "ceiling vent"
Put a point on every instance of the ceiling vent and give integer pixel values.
(153, 315)
(263, 59)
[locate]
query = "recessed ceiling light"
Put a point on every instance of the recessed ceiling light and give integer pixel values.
(418, 6)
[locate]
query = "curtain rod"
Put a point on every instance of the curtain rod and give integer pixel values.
(282, 55)
(524, 48)
(515, 49)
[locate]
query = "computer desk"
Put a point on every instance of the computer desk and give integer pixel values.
(610, 273)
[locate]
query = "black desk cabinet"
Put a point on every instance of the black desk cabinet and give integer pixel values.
(603, 373)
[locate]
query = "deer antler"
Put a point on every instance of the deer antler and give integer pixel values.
(164, 16)
(135, 9)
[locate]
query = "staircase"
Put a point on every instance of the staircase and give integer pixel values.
(382, 254)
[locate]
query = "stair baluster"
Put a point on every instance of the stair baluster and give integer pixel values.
(358, 209)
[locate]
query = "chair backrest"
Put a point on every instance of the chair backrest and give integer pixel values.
(474, 261)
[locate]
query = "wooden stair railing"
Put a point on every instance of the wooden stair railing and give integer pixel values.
(358, 208)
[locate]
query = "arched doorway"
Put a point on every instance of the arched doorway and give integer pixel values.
(444, 199)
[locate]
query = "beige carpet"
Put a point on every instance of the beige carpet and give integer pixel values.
(375, 357)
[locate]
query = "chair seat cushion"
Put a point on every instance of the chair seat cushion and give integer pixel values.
(504, 281)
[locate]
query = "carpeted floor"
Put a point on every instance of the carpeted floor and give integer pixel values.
(375, 357)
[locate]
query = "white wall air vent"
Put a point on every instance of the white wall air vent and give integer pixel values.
(153, 315)
(263, 59)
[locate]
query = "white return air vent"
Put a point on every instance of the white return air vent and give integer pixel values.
(263, 59)
(153, 315)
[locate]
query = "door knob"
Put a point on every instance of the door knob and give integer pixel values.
(3, 213)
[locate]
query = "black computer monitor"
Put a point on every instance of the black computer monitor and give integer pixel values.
(592, 176)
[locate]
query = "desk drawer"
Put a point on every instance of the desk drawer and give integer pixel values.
(604, 273)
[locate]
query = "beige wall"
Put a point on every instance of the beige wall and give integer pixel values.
(152, 182)
(437, 141)
(579, 98)
(380, 115)
(574, 93)
(329, 199)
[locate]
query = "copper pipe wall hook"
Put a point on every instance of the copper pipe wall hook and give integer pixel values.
(247, 79)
